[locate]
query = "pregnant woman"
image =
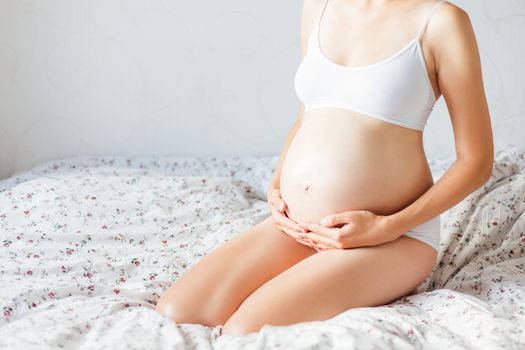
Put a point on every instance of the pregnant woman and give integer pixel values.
(354, 210)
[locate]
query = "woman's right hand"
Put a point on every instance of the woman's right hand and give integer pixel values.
(282, 221)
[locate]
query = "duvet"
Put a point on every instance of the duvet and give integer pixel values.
(88, 244)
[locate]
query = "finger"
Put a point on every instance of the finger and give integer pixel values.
(290, 232)
(286, 221)
(314, 244)
(303, 240)
(309, 237)
(328, 232)
(320, 245)
(335, 219)
(277, 200)
(323, 246)
(322, 239)
(279, 205)
(307, 243)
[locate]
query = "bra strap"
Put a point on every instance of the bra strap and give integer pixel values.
(322, 13)
(432, 10)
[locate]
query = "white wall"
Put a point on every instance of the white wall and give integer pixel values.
(199, 77)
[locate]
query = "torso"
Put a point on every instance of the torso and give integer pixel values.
(340, 160)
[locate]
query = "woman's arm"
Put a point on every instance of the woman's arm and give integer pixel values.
(460, 80)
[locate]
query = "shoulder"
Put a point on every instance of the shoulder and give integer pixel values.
(450, 16)
(451, 34)
(450, 19)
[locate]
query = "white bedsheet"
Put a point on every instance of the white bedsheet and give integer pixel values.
(88, 244)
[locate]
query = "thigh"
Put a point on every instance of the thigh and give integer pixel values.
(217, 284)
(332, 281)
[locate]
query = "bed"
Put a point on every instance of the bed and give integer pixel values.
(88, 244)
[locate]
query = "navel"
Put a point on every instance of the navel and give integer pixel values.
(306, 186)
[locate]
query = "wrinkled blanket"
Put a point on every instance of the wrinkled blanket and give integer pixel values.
(88, 244)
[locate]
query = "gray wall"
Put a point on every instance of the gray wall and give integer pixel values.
(122, 77)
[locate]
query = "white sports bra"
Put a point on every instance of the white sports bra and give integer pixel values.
(396, 89)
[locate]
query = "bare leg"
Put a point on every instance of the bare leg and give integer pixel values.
(332, 281)
(211, 291)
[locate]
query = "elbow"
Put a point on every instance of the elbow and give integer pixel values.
(481, 168)
(488, 165)
(484, 169)
(487, 171)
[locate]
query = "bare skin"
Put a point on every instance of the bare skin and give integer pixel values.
(211, 291)
(282, 280)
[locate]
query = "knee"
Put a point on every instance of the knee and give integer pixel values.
(180, 313)
(170, 309)
(239, 328)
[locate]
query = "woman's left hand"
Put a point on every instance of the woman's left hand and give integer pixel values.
(359, 228)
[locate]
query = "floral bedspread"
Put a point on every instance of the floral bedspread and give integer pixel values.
(88, 244)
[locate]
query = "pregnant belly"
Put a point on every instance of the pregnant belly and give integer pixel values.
(339, 162)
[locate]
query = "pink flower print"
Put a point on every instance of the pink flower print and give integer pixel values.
(51, 295)
(165, 242)
(152, 277)
(26, 212)
(116, 291)
(29, 272)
